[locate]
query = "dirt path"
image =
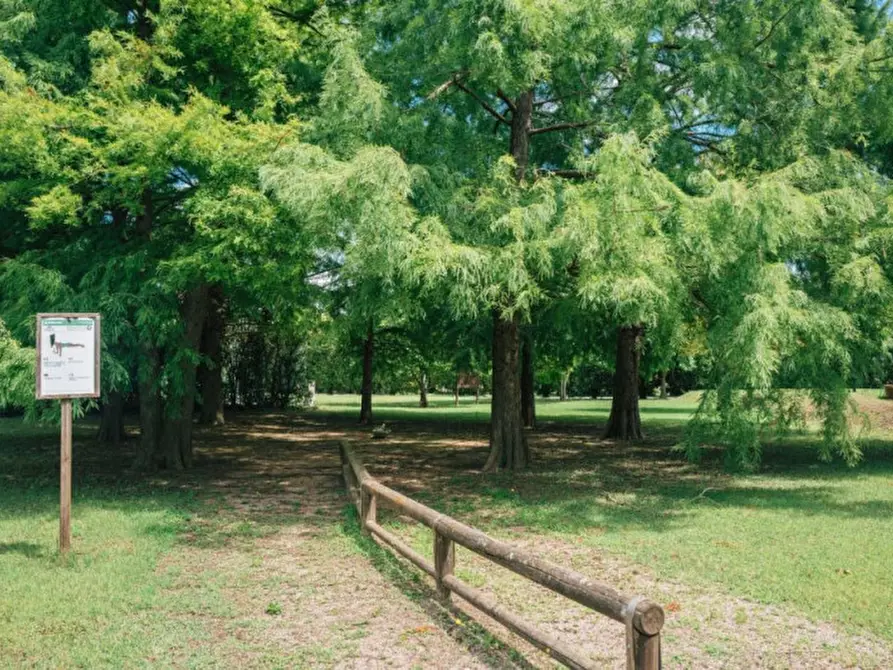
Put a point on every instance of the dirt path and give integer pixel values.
(292, 583)
(288, 582)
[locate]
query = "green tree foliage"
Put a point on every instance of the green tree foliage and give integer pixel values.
(709, 177)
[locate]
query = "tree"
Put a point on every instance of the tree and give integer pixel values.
(145, 194)
(546, 83)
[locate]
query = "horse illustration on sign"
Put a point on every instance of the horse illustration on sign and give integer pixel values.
(59, 346)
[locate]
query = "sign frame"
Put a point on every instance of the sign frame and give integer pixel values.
(97, 342)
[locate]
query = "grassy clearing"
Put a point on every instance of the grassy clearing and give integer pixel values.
(814, 537)
(162, 577)
(441, 408)
(818, 540)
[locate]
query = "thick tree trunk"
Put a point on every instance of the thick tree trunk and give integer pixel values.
(111, 421)
(151, 407)
(663, 385)
(562, 388)
(177, 434)
(508, 444)
(211, 373)
(366, 390)
(624, 422)
(528, 397)
(423, 390)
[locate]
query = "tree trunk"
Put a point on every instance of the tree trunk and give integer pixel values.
(624, 422)
(177, 434)
(423, 390)
(210, 373)
(144, 26)
(522, 124)
(663, 385)
(562, 388)
(366, 390)
(151, 406)
(456, 392)
(528, 398)
(508, 444)
(111, 421)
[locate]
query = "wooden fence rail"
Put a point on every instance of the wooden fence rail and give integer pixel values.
(642, 618)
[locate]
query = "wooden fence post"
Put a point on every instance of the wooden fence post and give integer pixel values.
(368, 508)
(444, 563)
(65, 479)
(647, 651)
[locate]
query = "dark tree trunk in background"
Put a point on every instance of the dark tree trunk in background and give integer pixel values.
(663, 385)
(210, 374)
(111, 419)
(624, 422)
(366, 390)
(423, 390)
(562, 389)
(151, 406)
(528, 397)
(144, 26)
(644, 388)
(177, 434)
(508, 444)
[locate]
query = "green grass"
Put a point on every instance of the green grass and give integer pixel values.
(441, 408)
(817, 539)
(814, 537)
(100, 605)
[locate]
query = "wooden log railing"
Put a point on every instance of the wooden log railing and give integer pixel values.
(642, 618)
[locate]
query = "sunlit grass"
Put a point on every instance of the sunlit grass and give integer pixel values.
(96, 607)
(441, 408)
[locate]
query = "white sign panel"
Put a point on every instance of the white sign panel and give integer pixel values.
(67, 355)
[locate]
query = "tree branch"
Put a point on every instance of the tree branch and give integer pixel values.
(563, 126)
(775, 25)
(456, 81)
(566, 174)
(486, 105)
(507, 100)
(302, 17)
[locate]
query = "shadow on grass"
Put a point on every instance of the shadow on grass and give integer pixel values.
(488, 649)
(581, 484)
(27, 549)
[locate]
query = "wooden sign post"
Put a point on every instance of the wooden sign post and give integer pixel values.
(67, 367)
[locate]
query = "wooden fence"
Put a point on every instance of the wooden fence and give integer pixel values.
(642, 619)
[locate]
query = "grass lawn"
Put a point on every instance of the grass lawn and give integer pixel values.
(180, 572)
(815, 537)
(441, 408)
(99, 606)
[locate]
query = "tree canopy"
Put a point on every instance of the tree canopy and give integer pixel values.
(629, 186)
